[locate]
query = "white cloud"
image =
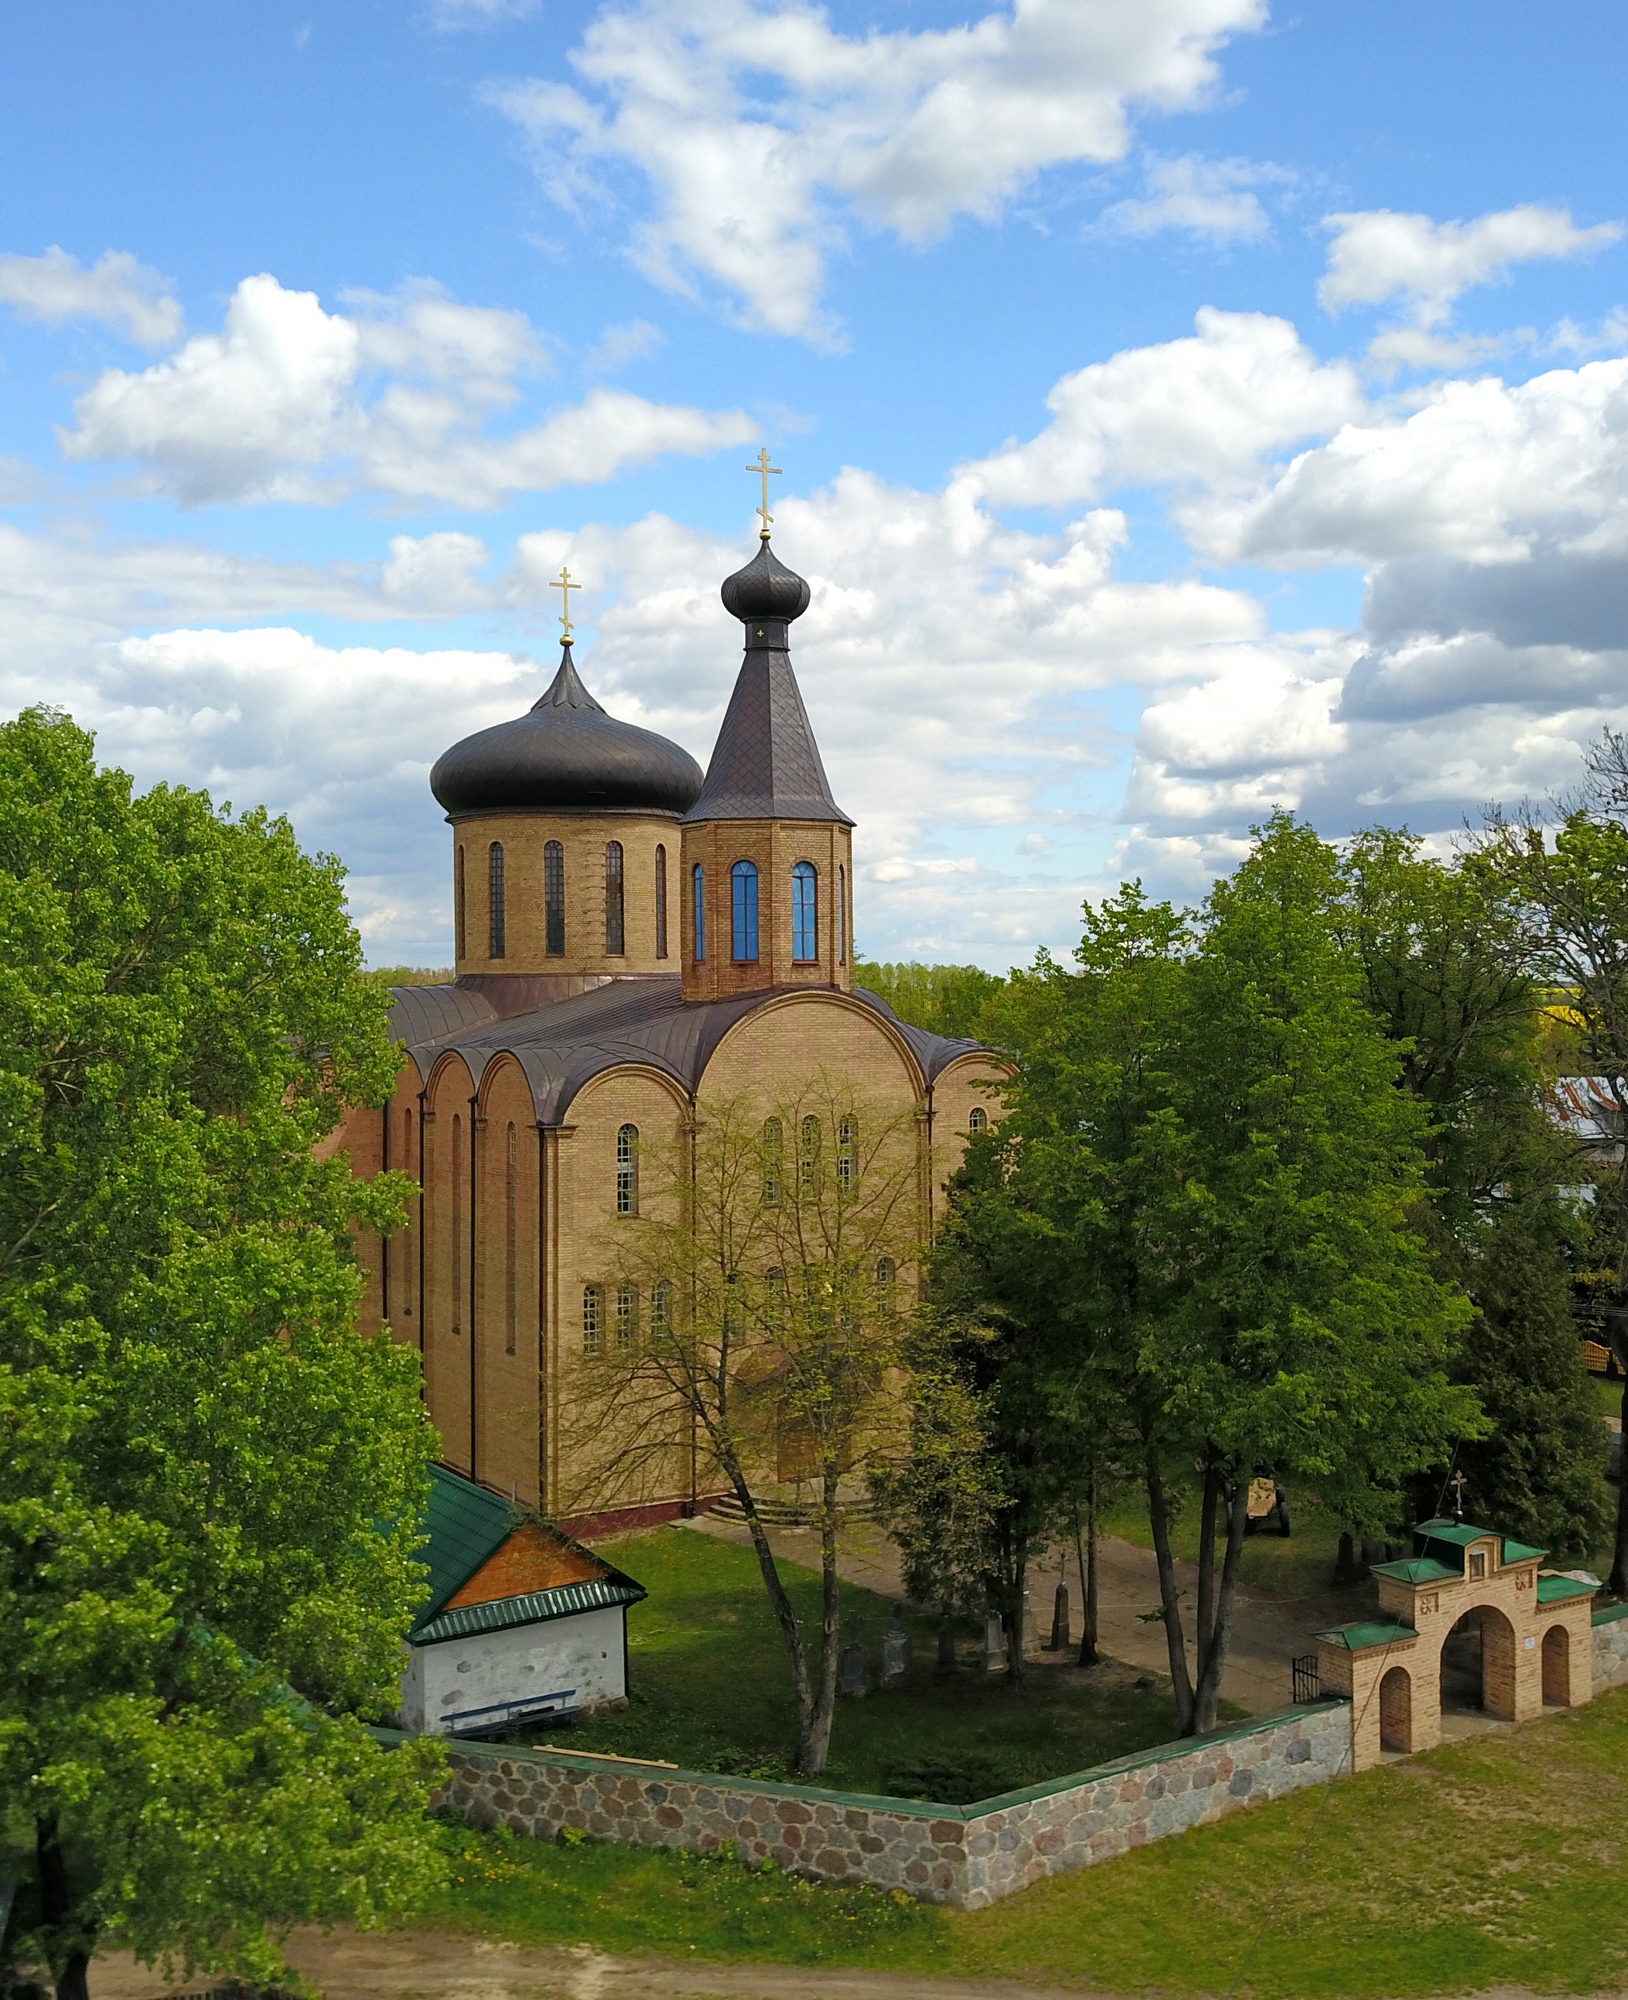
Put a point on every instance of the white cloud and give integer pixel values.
(115, 291)
(1379, 254)
(1211, 198)
(619, 346)
(289, 402)
(1200, 415)
(761, 130)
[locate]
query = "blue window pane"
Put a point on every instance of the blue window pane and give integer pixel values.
(744, 877)
(805, 923)
(698, 882)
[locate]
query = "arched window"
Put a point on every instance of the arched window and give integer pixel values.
(842, 916)
(554, 899)
(408, 1259)
(773, 1173)
(661, 1307)
(805, 921)
(808, 1157)
(510, 1215)
(848, 1151)
(494, 864)
(614, 945)
(627, 1319)
(593, 1322)
(661, 901)
(457, 1224)
(458, 900)
(774, 1299)
(698, 888)
(743, 879)
(978, 1119)
(627, 1170)
(885, 1274)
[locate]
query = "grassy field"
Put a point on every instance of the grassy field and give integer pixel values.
(1498, 1861)
(711, 1690)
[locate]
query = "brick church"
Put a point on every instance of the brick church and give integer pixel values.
(632, 938)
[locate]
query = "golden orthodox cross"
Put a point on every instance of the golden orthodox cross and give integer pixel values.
(563, 584)
(764, 468)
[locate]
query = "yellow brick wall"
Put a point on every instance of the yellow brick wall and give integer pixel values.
(776, 846)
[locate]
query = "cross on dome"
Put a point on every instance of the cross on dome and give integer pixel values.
(763, 468)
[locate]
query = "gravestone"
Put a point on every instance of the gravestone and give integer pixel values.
(1059, 1619)
(995, 1661)
(854, 1679)
(897, 1652)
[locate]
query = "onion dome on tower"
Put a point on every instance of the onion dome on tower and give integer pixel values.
(768, 853)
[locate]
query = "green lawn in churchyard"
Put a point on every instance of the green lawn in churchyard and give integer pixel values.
(1299, 1565)
(710, 1689)
(1496, 1862)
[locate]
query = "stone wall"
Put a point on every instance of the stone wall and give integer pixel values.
(1610, 1647)
(967, 1856)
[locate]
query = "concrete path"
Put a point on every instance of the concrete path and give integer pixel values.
(1267, 1633)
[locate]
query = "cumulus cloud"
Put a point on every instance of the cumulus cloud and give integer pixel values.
(290, 402)
(1380, 254)
(116, 291)
(1211, 198)
(762, 131)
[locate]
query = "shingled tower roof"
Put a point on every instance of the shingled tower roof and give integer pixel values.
(766, 764)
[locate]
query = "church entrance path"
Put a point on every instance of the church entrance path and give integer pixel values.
(1268, 1631)
(425, 1966)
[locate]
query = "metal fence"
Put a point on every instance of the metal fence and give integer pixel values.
(1308, 1682)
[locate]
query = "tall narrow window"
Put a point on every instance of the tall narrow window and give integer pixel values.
(511, 1197)
(698, 890)
(978, 1119)
(848, 1151)
(627, 1170)
(494, 858)
(408, 1260)
(627, 1318)
(593, 1323)
(805, 921)
(885, 1275)
(614, 932)
(774, 1299)
(743, 878)
(554, 899)
(773, 1175)
(842, 916)
(457, 1225)
(661, 1307)
(661, 902)
(458, 900)
(808, 1157)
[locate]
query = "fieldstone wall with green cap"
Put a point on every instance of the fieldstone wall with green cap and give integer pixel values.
(968, 1856)
(1610, 1647)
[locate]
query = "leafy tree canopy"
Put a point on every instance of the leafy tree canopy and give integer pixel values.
(944, 999)
(210, 1484)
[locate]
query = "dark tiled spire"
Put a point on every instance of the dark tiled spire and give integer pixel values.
(766, 764)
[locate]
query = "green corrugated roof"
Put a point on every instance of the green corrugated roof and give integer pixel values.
(1457, 1535)
(535, 1608)
(466, 1525)
(1360, 1637)
(1416, 1569)
(1515, 1552)
(1556, 1589)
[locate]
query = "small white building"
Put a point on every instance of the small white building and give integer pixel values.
(521, 1623)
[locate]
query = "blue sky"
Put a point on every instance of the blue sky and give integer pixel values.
(1185, 409)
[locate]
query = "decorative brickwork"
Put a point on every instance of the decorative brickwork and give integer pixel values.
(966, 1856)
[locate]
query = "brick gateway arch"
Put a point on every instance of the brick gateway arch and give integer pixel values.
(1534, 1629)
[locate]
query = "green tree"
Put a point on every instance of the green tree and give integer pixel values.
(769, 1276)
(210, 1484)
(945, 999)
(1207, 1122)
(1447, 968)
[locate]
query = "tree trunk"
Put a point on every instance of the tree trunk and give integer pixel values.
(1214, 1643)
(1019, 1573)
(1085, 1550)
(814, 1730)
(69, 1952)
(1169, 1597)
(1617, 1584)
(1204, 1611)
(786, 1617)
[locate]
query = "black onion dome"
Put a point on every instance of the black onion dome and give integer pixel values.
(566, 755)
(765, 589)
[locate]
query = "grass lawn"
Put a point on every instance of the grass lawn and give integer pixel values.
(1496, 1861)
(1300, 1565)
(711, 1690)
